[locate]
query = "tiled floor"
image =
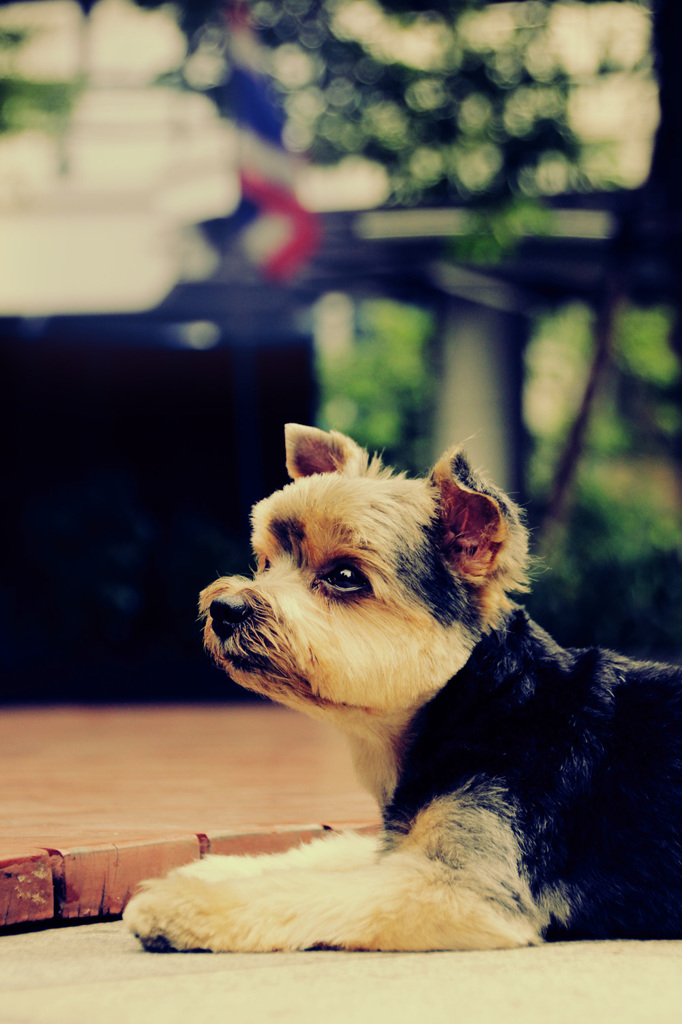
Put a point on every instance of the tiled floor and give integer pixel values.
(94, 799)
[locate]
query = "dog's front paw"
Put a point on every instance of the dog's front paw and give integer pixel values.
(178, 913)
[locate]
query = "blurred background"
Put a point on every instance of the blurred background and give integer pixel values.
(418, 223)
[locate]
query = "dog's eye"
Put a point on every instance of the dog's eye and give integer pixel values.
(346, 578)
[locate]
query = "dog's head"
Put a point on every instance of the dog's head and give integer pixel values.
(371, 589)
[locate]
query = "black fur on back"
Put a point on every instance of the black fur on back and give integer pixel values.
(588, 746)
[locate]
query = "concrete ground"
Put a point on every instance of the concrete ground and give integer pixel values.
(98, 973)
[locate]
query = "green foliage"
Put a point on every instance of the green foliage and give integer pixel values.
(643, 349)
(557, 364)
(379, 388)
(34, 105)
(462, 100)
(449, 101)
(613, 576)
(615, 579)
(26, 104)
(9, 39)
(496, 230)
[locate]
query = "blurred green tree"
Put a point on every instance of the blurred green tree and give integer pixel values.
(612, 574)
(379, 386)
(25, 103)
(459, 100)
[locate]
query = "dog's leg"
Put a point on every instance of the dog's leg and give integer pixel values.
(405, 901)
(339, 851)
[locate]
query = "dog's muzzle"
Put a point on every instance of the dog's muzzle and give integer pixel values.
(227, 614)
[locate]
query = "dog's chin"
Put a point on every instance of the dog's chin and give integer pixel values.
(238, 661)
(257, 673)
(243, 671)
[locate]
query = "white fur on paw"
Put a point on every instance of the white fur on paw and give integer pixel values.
(177, 913)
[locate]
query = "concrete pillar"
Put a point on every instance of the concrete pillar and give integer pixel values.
(479, 396)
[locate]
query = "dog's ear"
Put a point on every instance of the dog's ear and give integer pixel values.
(482, 533)
(311, 451)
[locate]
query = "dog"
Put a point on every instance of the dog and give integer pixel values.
(528, 792)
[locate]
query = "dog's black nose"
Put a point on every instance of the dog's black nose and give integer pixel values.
(227, 613)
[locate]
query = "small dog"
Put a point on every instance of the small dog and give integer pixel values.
(527, 791)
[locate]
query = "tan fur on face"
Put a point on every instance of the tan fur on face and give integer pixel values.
(384, 651)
